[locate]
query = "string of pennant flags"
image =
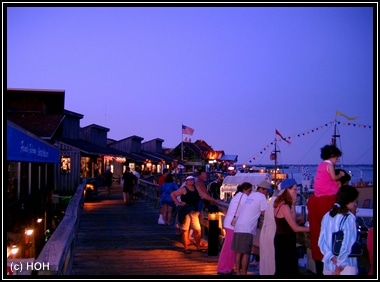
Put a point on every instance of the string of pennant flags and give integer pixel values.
(305, 133)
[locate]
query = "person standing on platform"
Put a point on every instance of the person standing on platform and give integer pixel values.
(161, 181)
(345, 179)
(215, 187)
(340, 216)
(130, 180)
(201, 186)
(370, 250)
(267, 261)
(190, 197)
(285, 243)
(326, 186)
(203, 203)
(246, 226)
(166, 201)
(227, 256)
(107, 178)
(136, 187)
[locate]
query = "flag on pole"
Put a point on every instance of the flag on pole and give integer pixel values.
(338, 113)
(187, 130)
(282, 137)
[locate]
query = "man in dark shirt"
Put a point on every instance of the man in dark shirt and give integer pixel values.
(107, 178)
(130, 180)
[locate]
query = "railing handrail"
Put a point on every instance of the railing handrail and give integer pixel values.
(56, 257)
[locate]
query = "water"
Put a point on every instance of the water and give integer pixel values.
(358, 172)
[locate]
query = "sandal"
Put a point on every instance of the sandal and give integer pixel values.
(187, 251)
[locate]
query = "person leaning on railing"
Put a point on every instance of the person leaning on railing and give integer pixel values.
(190, 197)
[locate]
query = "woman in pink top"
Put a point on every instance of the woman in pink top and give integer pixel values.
(325, 188)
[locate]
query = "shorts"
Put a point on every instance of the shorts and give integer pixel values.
(242, 243)
(128, 190)
(169, 203)
(191, 221)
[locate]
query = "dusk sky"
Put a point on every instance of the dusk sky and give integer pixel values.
(233, 74)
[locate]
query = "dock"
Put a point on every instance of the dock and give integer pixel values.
(126, 241)
(103, 238)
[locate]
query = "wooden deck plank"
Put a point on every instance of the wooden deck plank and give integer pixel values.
(115, 239)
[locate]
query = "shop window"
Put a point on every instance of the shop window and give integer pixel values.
(65, 164)
(85, 167)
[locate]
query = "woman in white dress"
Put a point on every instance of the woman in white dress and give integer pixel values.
(267, 263)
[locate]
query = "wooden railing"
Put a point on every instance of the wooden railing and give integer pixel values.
(149, 191)
(57, 255)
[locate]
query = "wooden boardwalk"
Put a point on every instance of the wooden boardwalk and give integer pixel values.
(119, 240)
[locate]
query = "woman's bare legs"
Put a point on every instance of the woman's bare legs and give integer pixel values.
(169, 214)
(165, 213)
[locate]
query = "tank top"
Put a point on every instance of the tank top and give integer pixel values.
(282, 226)
(323, 184)
(191, 198)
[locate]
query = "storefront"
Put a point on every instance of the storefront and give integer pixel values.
(31, 163)
(28, 160)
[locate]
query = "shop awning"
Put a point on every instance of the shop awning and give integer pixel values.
(23, 146)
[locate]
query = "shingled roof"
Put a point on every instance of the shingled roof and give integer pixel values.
(40, 124)
(91, 148)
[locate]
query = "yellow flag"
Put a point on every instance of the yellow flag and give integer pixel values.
(338, 113)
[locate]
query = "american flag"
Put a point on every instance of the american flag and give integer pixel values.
(187, 130)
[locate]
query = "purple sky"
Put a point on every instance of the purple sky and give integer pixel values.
(234, 75)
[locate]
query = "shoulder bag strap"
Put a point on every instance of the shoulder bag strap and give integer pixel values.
(238, 204)
(342, 222)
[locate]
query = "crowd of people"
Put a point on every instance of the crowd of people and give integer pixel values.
(333, 199)
(182, 205)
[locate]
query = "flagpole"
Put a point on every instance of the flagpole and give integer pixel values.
(182, 143)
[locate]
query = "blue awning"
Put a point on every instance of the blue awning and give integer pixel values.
(23, 146)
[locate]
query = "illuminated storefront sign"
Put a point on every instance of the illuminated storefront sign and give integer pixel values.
(115, 159)
(24, 147)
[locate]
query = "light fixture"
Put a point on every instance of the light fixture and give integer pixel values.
(28, 232)
(14, 250)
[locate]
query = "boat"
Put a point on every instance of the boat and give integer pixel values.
(254, 175)
(231, 182)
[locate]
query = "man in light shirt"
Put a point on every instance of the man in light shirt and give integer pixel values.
(246, 225)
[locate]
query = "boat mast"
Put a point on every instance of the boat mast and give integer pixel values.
(335, 135)
(274, 153)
